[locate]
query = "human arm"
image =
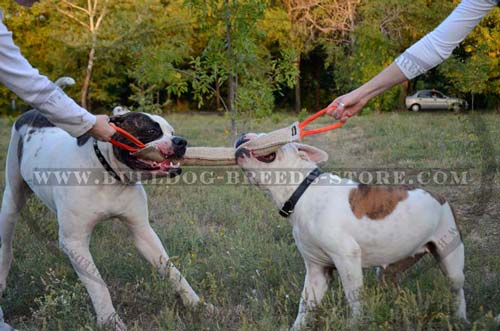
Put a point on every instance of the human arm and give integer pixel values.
(20, 77)
(351, 103)
(424, 55)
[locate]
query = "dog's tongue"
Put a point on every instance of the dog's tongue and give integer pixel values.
(150, 153)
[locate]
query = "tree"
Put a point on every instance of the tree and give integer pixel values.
(315, 20)
(89, 16)
(468, 76)
(383, 30)
(158, 48)
(233, 58)
(475, 66)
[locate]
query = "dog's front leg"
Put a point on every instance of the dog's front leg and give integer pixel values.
(150, 246)
(315, 287)
(351, 275)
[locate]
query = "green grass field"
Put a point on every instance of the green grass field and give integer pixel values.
(239, 254)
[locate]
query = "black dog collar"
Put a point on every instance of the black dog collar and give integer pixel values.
(105, 163)
(289, 205)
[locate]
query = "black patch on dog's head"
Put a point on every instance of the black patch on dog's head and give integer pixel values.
(140, 126)
(34, 119)
(242, 152)
(241, 140)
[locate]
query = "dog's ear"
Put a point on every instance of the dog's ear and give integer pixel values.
(116, 120)
(311, 153)
(119, 110)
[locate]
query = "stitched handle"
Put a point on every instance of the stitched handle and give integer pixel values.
(129, 136)
(313, 117)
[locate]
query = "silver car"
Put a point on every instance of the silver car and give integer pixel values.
(432, 99)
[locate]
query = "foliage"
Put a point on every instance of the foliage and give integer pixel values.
(475, 68)
(384, 30)
(155, 54)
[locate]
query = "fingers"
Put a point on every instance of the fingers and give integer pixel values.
(102, 130)
(337, 108)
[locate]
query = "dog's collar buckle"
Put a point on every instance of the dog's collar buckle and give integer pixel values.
(289, 205)
(287, 209)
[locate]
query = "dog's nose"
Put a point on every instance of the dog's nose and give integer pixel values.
(179, 142)
(179, 145)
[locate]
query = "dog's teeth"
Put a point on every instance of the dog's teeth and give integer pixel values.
(175, 165)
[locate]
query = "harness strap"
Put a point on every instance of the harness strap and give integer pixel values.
(289, 205)
(105, 163)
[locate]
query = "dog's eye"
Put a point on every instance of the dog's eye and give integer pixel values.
(151, 131)
(267, 158)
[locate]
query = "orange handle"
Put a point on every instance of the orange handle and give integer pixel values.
(313, 117)
(130, 137)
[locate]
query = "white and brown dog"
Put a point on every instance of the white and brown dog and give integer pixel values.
(37, 146)
(339, 223)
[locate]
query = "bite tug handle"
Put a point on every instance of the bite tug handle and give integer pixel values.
(315, 116)
(130, 137)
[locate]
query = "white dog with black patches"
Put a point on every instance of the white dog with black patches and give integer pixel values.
(339, 223)
(36, 144)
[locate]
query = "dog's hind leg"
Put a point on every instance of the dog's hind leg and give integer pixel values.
(449, 252)
(452, 265)
(149, 245)
(14, 198)
(74, 237)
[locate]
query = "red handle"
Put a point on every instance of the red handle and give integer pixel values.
(313, 117)
(130, 137)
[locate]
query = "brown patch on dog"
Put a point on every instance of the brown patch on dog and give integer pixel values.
(376, 202)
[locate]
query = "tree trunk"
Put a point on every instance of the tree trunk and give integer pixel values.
(232, 76)
(317, 87)
(402, 95)
(88, 74)
(472, 100)
(298, 105)
(217, 93)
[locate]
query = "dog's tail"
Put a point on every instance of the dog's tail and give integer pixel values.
(62, 82)
(14, 196)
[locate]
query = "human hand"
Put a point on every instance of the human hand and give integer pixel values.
(347, 105)
(101, 129)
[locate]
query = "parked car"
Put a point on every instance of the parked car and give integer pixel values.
(432, 99)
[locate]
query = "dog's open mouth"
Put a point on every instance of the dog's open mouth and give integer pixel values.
(165, 165)
(158, 165)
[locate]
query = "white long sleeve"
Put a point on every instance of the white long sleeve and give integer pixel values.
(438, 45)
(21, 78)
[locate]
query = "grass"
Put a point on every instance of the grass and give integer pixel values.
(238, 254)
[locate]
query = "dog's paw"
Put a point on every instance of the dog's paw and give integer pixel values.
(209, 308)
(114, 323)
